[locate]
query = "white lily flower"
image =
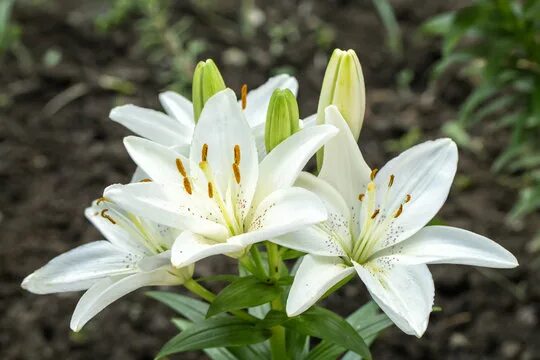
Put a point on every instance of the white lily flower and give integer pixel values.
(221, 196)
(176, 126)
(135, 254)
(376, 228)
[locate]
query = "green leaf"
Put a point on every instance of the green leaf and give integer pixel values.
(393, 32)
(215, 332)
(243, 293)
(192, 309)
(367, 321)
(439, 24)
(329, 326)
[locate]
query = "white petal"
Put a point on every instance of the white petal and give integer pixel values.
(117, 227)
(189, 248)
(178, 107)
(283, 211)
(309, 121)
(222, 126)
(329, 238)
(152, 125)
(404, 293)
(448, 245)
(344, 166)
(109, 290)
(169, 205)
(259, 98)
(315, 276)
(80, 268)
(138, 175)
(155, 262)
(425, 172)
(158, 161)
(281, 167)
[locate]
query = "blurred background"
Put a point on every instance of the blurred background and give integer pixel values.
(465, 69)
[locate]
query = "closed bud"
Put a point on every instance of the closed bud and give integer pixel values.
(343, 86)
(282, 118)
(207, 81)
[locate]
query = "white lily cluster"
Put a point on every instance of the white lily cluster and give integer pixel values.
(208, 186)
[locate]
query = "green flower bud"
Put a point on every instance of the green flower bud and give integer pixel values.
(207, 81)
(343, 86)
(282, 118)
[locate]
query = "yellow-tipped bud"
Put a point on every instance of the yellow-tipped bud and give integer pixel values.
(282, 118)
(207, 81)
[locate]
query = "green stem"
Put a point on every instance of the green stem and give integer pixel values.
(209, 296)
(277, 341)
(257, 259)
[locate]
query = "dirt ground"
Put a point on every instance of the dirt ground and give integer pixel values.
(56, 159)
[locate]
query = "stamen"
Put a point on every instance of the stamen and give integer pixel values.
(204, 154)
(106, 216)
(180, 167)
(236, 171)
(361, 197)
(145, 180)
(210, 190)
(244, 96)
(203, 165)
(391, 181)
(102, 199)
(399, 211)
(237, 154)
(373, 173)
(371, 187)
(187, 185)
(408, 198)
(375, 213)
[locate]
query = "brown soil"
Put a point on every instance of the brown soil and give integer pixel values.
(55, 162)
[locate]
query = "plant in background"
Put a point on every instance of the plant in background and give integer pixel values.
(497, 44)
(212, 193)
(9, 33)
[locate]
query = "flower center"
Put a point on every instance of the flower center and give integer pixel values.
(377, 220)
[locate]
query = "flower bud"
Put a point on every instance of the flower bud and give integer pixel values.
(343, 86)
(282, 118)
(207, 81)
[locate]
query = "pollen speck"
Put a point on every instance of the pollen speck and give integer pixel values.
(361, 197)
(236, 171)
(204, 154)
(145, 180)
(408, 198)
(237, 154)
(180, 167)
(244, 96)
(373, 173)
(187, 185)
(102, 199)
(391, 181)
(107, 216)
(210, 190)
(371, 186)
(375, 213)
(399, 211)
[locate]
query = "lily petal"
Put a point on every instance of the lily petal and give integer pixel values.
(281, 166)
(179, 108)
(151, 124)
(404, 293)
(309, 121)
(158, 161)
(169, 205)
(222, 128)
(80, 268)
(283, 211)
(329, 238)
(190, 247)
(344, 166)
(449, 245)
(424, 172)
(259, 98)
(314, 277)
(109, 290)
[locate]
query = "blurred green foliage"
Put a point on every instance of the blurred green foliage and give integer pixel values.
(167, 42)
(497, 44)
(9, 32)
